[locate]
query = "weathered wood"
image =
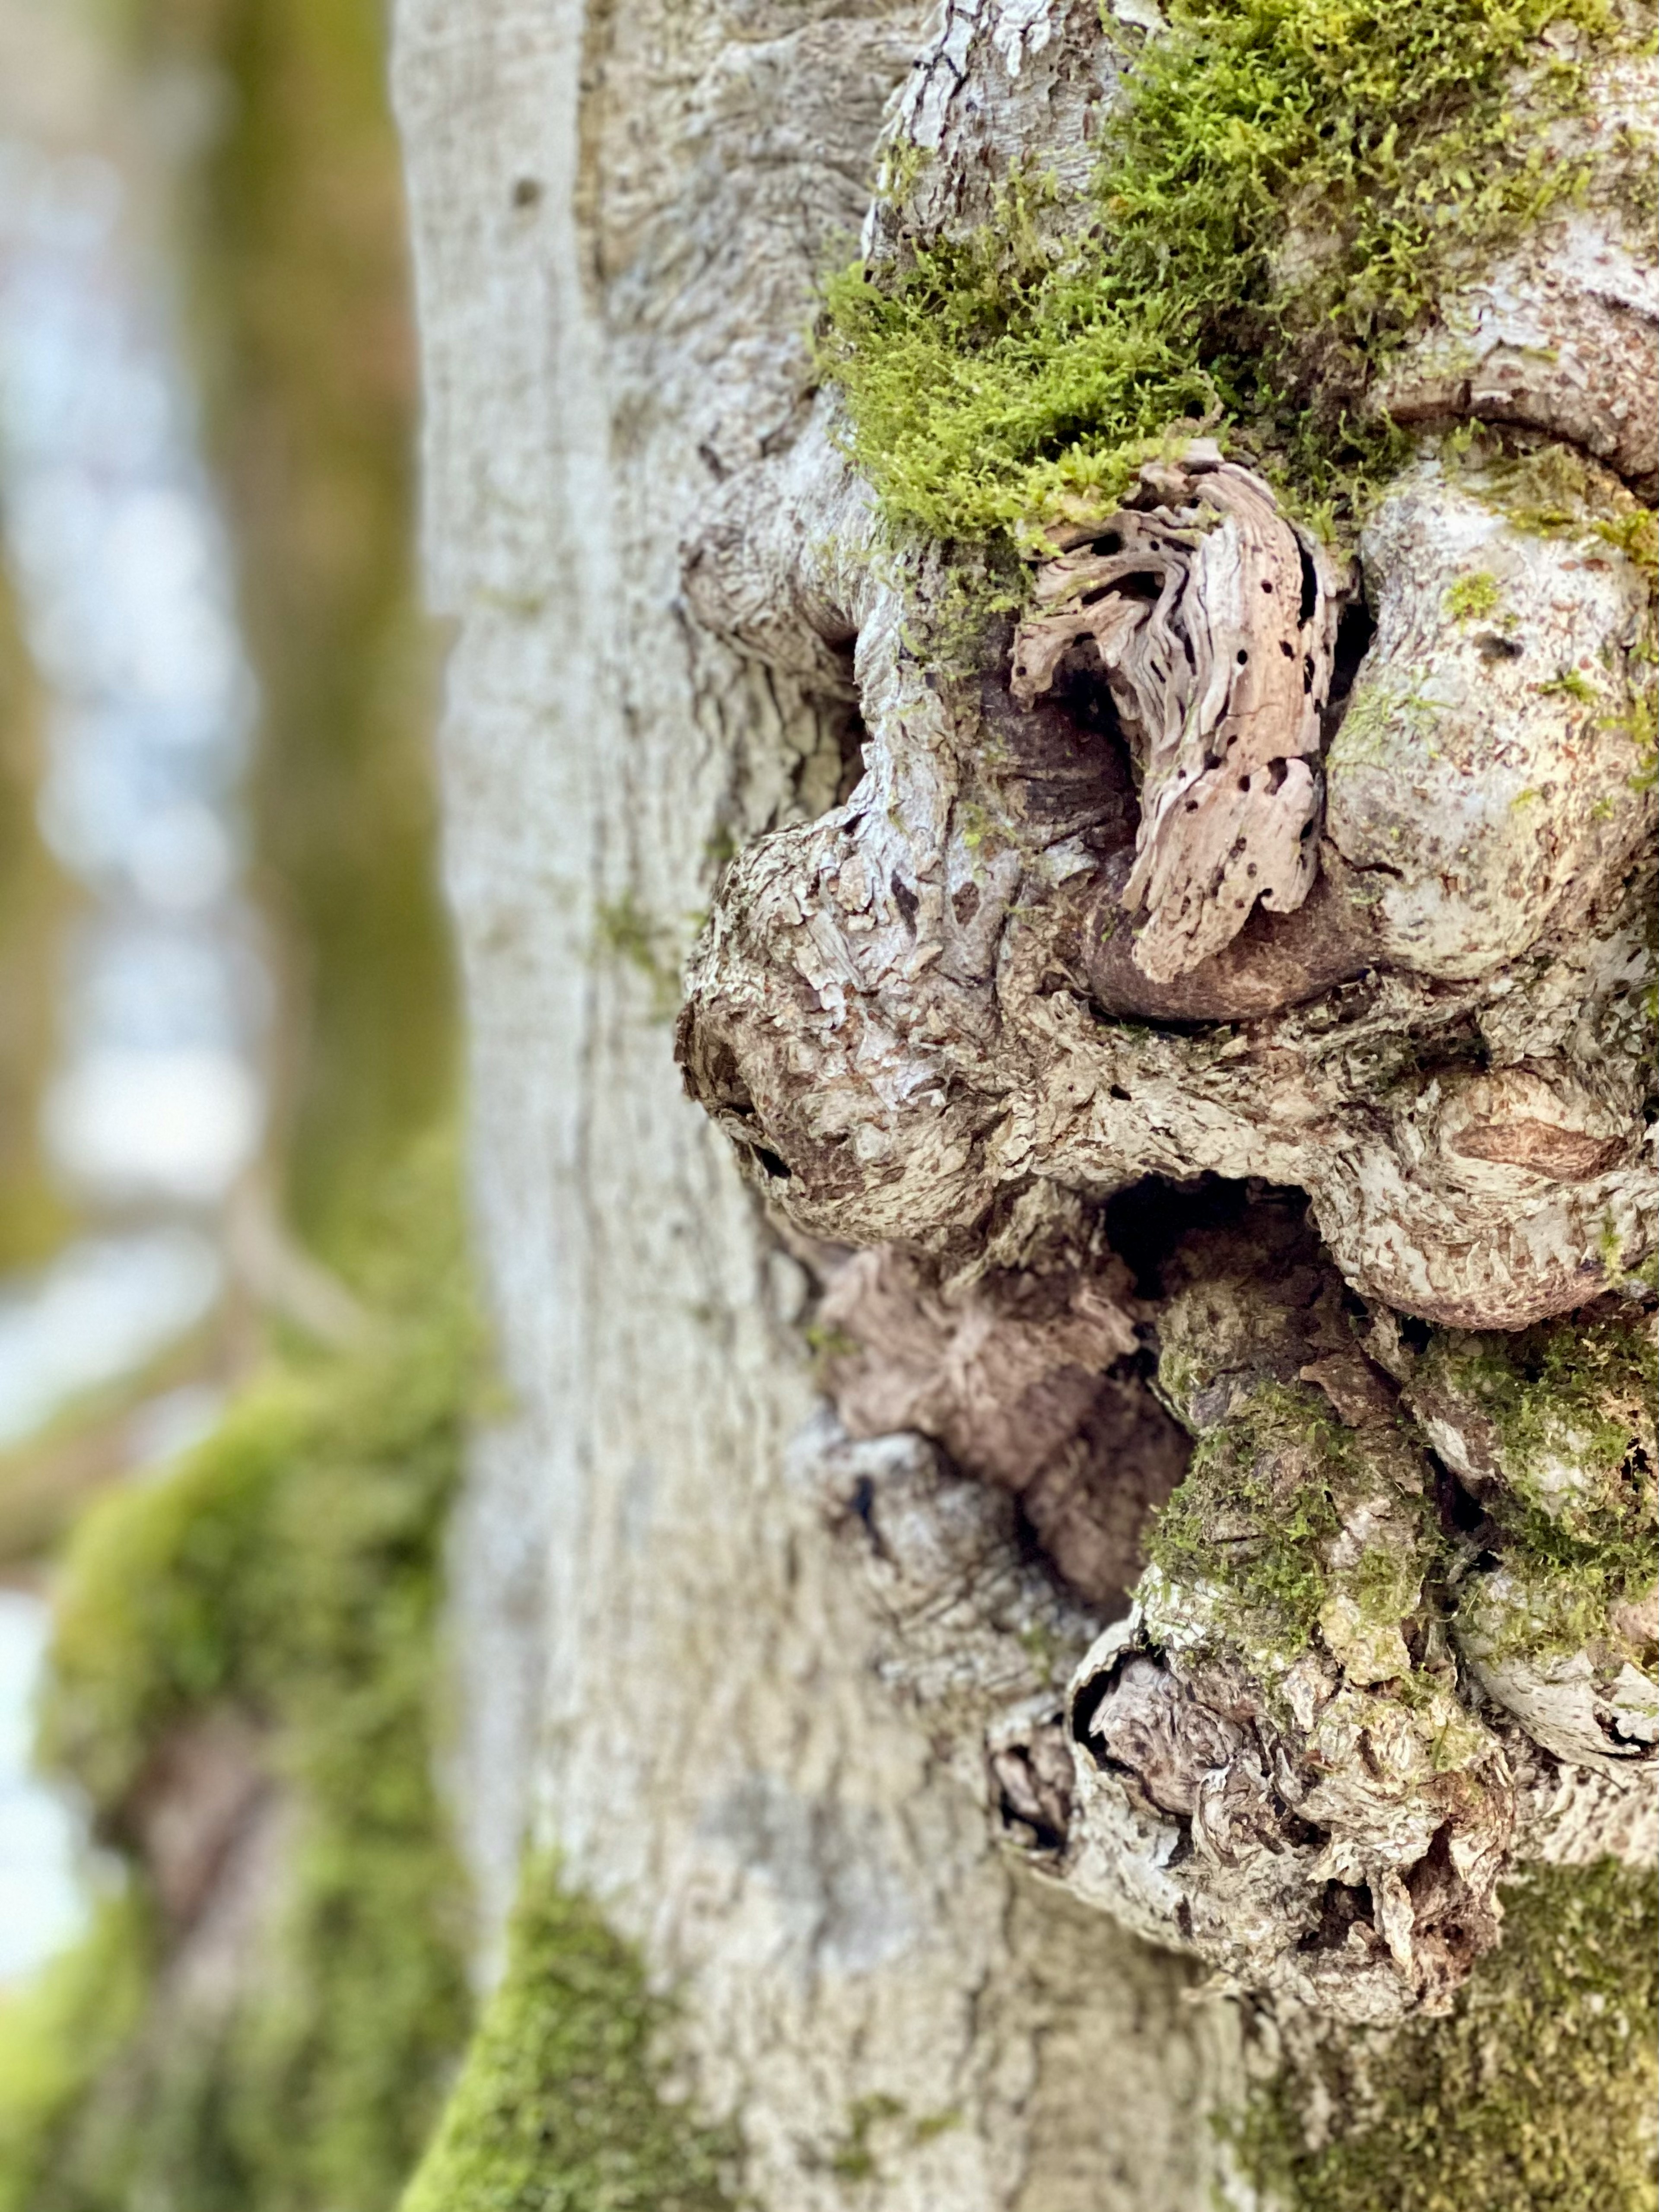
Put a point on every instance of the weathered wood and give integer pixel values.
(1222, 680)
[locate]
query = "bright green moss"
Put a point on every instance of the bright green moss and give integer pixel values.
(560, 2104)
(1279, 200)
(1538, 2094)
(289, 1572)
(1472, 598)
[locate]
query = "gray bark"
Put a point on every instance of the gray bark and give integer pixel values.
(782, 1681)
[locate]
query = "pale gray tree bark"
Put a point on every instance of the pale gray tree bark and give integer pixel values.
(858, 1763)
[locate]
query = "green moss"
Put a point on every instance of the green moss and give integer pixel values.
(626, 932)
(879, 2130)
(1553, 490)
(1472, 598)
(287, 1571)
(856, 2158)
(1237, 1522)
(1636, 535)
(1253, 1523)
(58, 2033)
(1568, 684)
(1279, 200)
(1566, 1415)
(1536, 2095)
(34, 900)
(560, 2106)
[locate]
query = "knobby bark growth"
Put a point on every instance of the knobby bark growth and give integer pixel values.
(1306, 871)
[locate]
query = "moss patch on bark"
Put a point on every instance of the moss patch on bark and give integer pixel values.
(1281, 194)
(285, 1576)
(1538, 2094)
(560, 2106)
(1564, 1412)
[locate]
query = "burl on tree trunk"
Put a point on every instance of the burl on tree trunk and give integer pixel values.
(1203, 1057)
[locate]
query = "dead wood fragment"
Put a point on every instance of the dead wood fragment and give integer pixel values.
(1213, 620)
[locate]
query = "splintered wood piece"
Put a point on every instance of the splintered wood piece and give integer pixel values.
(1211, 619)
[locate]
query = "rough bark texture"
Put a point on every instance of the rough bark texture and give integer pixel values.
(668, 1665)
(1187, 1020)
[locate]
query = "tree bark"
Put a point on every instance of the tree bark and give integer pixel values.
(835, 1705)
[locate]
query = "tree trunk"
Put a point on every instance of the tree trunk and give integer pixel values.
(815, 1659)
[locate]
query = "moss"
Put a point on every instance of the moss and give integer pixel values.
(1636, 535)
(58, 2033)
(1568, 684)
(625, 930)
(854, 2160)
(1472, 598)
(878, 2128)
(1280, 198)
(1237, 1522)
(1537, 2094)
(1553, 490)
(1576, 1394)
(1251, 1535)
(1564, 1413)
(561, 2104)
(287, 1571)
(34, 900)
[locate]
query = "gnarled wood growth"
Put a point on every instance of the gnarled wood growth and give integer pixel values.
(1185, 874)
(1214, 620)
(1024, 1163)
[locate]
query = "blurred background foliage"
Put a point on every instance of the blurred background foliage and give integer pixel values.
(293, 234)
(33, 1216)
(244, 1684)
